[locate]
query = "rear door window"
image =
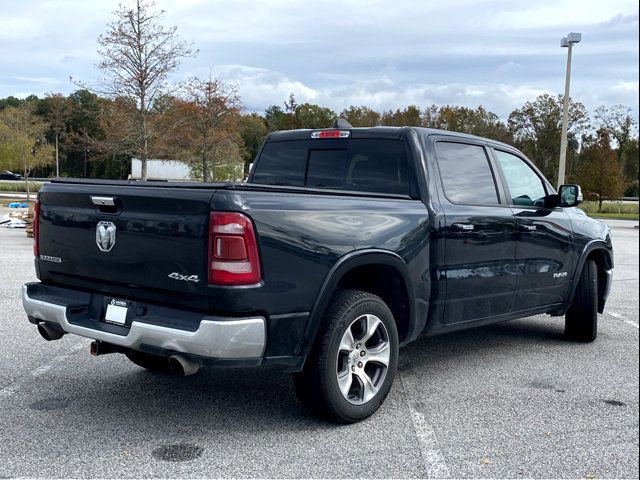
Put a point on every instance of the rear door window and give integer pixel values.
(466, 174)
(367, 165)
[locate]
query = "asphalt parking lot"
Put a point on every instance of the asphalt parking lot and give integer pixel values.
(512, 400)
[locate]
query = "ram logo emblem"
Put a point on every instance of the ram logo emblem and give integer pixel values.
(105, 236)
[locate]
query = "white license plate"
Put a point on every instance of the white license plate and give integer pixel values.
(116, 312)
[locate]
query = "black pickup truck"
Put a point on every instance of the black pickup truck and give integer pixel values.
(343, 245)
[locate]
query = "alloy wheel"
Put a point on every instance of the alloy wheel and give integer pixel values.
(363, 359)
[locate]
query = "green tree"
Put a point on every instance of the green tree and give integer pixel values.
(295, 115)
(23, 144)
(86, 139)
(253, 130)
(630, 157)
(361, 116)
(536, 129)
(600, 172)
(276, 119)
(478, 121)
(10, 101)
(310, 115)
(409, 116)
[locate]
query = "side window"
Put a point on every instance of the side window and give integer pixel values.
(466, 174)
(525, 185)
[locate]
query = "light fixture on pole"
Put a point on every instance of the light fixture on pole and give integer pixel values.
(567, 42)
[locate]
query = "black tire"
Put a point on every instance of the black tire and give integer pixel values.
(581, 320)
(317, 385)
(155, 363)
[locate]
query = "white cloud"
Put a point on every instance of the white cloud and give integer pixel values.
(627, 88)
(624, 93)
(260, 88)
(499, 53)
(552, 13)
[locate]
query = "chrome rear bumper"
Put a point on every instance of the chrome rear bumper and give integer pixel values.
(216, 337)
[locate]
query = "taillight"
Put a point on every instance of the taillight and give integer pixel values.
(36, 224)
(233, 250)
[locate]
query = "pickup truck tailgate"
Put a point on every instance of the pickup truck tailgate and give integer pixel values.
(151, 244)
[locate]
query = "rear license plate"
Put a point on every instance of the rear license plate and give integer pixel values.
(116, 312)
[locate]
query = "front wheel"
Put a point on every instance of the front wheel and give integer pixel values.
(581, 320)
(351, 368)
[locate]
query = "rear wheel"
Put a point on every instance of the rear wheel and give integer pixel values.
(581, 320)
(155, 363)
(351, 369)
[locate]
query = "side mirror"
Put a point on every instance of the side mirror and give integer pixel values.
(570, 195)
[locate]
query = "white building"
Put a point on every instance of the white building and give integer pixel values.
(161, 170)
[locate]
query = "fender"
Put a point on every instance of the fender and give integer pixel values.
(589, 248)
(343, 265)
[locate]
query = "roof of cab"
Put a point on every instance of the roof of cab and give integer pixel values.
(377, 132)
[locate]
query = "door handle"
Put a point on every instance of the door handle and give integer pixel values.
(463, 227)
(526, 228)
(103, 201)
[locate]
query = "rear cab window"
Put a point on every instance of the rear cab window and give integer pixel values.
(353, 164)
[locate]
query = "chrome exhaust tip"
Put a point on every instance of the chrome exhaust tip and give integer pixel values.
(180, 365)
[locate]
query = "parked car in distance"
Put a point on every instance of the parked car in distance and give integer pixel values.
(343, 245)
(7, 175)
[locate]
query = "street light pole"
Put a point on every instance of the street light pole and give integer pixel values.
(568, 42)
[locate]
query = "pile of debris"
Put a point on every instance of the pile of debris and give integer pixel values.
(22, 219)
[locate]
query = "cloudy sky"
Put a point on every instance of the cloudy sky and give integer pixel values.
(380, 53)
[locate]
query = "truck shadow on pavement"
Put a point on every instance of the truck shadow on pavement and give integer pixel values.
(253, 400)
(436, 357)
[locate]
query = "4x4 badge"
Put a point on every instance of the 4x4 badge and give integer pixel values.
(105, 236)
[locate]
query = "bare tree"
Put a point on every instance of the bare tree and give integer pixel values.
(138, 55)
(58, 111)
(617, 120)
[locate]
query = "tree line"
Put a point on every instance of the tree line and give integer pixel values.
(133, 110)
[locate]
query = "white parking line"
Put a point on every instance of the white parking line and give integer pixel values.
(41, 370)
(8, 390)
(432, 458)
(620, 317)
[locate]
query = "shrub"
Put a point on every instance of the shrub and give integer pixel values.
(633, 190)
(610, 207)
(19, 186)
